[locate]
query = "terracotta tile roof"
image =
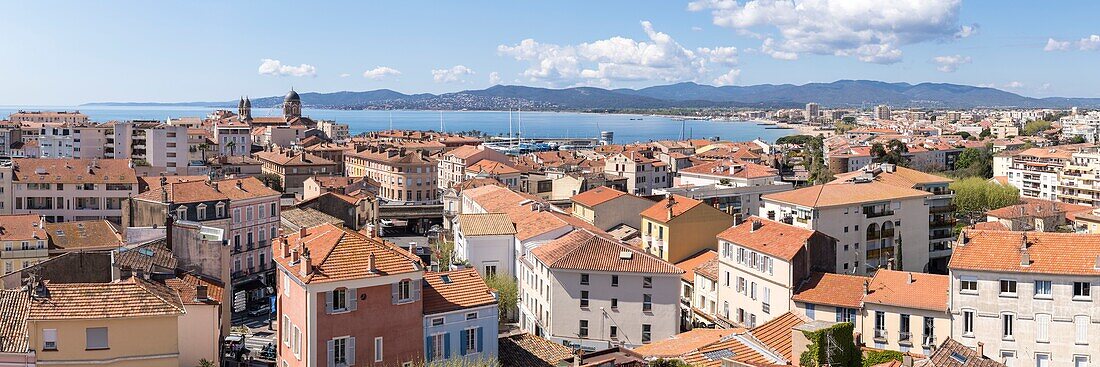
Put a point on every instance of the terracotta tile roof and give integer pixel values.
(950, 350)
(22, 227)
(455, 290)
(684, 343)
(146, 257)
(339, 253)
(245, 188)
(289, 158)
(1032, 207)
(780, 240)
(893, 288)
(990, 226)
(836, 194)
(530, 221)
(842, 290)
(152, 182)
(307, 217)
(597, 196)
(689, 265)
(466, 151)
(708, 269)
(187, 287)
(659, 211)
(82, 235)
(1048, 252)
(776, 334)
(100, 171)
(184, 192)
(904, 177)
(491, 167)
(410, 157)
(486, 224)
(583, 250)
(732, 168)
(475, 183)
(528, 350)
(14, 308)
(739, 347)
(133, 297)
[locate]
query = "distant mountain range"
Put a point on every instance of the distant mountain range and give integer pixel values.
(840, 94)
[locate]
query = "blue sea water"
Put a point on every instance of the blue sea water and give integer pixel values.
(627, 128)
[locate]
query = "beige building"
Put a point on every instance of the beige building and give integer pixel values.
(453, 164)
(678, 227)
(403, 176)
(74, 117)
(643, 174)
(293, 168)
(906, 311)
(23, 241)
(71, 189)
(606, 208)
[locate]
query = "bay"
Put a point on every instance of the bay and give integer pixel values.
(627, 128)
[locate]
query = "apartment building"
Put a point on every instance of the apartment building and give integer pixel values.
(502, 172)
(1077, 181)
(73, 117)
(1036, 171)
(607, 208)
(643, 174)
(293, 168)
(334, 131)
(404, 176)
(487, 241)
(678, 227)
(761, 264)
(1086, 126)
(592, 292)
(153, 145)
(699, 294)
(70, 140)
(460, 317)
(734, 187)
(875, 223)
(331, 281)
(254, 213)
(24, 241)
(1027, 296)
(70, 189)
(906, 311)
(233, 138)
(832, 297)
(453, 164)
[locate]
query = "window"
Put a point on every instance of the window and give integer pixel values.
(880, 324)
(1042, 328)
(646, 333)
(1008, 288)
(338, 300)
(767, 300)
(1042, 360)
(471, 341)
(338, 351)
(647, 302)
(614, 303)
(583, 330)
(49, 339)
(614, 332)
(286, 330)
(490, 270)
(1081, 327)
(1080, 361)
(471, 316)
(584, 299)
(968, 323)
(1081, 290)
(438, 347)
(96, 338)
(614, 280)
(438, 321)
(403, 291)
(968, 285)
(647, 282)
(903, 328)
(1007, 324)
(1042, 289)
(929, 331)
(377, 349)
(810, 311)
(297, 343)
(584, 279)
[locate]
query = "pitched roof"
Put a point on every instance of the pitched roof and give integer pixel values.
(780, 240)
(486, 224)
(659, 211)
(597, 196)
(901, 176)
(307, 217)
(731, 168)
(1032, 207)
(244, 188)
(990, 226)
(893, 288)
(21, 227)
(1048, 252)
(830, 289)
(954, 354)
(739, 347)
(72, 170)
(133, 297)
(290, 158)
(183, 192)
(532, 216)
(528, 350)
(491, 167)
(684, 343)
(776, 334)
(583, 250)
(337, 253)
(836, 194)
(149, 256)
(14, 308)
(187, 287)
(83, 234)
(455, 290)
(689, 264)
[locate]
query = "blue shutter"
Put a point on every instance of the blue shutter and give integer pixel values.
(479, 339)
(428, 347)
(446, 345)
(465, 339)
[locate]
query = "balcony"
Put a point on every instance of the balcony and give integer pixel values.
(940, 236)
(24, 254)
(881, 253)
(876, 214)
(944, 222)
(942, 209)
(880, 335)
(928, 341)
(904, 337)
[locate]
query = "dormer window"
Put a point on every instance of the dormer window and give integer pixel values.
(201, 211)
(181, 212)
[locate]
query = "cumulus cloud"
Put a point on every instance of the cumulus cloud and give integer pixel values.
(967, 31)
(380, 72)
(601, 62)
(494, 78)
(276, 68)
(950, 63)
(728, 78)
(870, 30)
(455, 74)
(1013, 85)
(1056, 45)
(1090, 43)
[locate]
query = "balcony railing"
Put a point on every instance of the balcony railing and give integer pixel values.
(876, 214)
(945, 222)
(942, 209)
(880, 334)
(880, 253)
(940, 236)
(904, 336)
(928, 340)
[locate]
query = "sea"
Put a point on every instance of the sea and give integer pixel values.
(626, 128)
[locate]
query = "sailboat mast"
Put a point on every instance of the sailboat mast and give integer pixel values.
(442, 127)
(511, 142)
(391, 120)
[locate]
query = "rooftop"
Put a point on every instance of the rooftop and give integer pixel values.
(337, 253)
(661, 210)
(455, 290)
(68, 171)
(841, 290)
(1046, 252)
(22, 227)
(846, 193)
(486, 224)
(14, 309)
(528, 350)
(684, 343)
(583, 250)
(82, 235)
(908, 289)
(597, 196)
(133, 297)
(689, 265)
(780, 240)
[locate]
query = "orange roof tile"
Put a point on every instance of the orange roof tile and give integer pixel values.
(830, 289)
(337, 253)
(491, 167)
(184, 192)
(22, 227)
(684, 343)
(688, 265)
(583, 250)
(245, 188)
(732, 168)
(781, 240)
(739, 347)
(597, 196)
(486, 224)
(187, 286)
(84, 234)
(14, 308)
(910, 290)
(990, 226)
(904, 177)
(45, 170)
(129, 298)
(836, 194)
(1048, 252)
(455, 290)
(660, 211)
(776, 334)
(1032, 207)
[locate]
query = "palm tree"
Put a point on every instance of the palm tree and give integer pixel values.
(203, 148)
(230, 145)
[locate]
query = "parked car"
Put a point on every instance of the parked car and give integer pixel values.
(261, 311)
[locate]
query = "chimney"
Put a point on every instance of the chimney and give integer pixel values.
(1025, 258)
(240, 185)
(293, 255)
(169, 224)
(1097, 265)
(372, 263)
(578, 358)
(302, 233)
(907, 360)
(911, 280)
(284, 247)
(670, 205)
(756, 224)
(890, 264)
(215, 184)
(201, 294)
(981, 349)
(866, 287)
(307, 265)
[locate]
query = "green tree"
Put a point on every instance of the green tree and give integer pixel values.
(1035, 127)
(815, 161)
(271, 180)
(965, 135)
(975, 162)
(849, 119)
(985, 133)
(844, 127)
(1077, 140)
(893, 152)
(975, 195)
(842, 352)
(795, 139)
(508, 292)
(444, 253)
(661, 362)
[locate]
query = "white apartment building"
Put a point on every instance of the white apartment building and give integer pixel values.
(1086, 126)
(152, 145)
(453, 164)
(234, 138)
(1077, 181)
(1035, 171)
(1027, 296)
(731, 186)
(875, 223)
(761, 264)
(643, 174)
(70, 189)
(487, 242)
(334, 131)
(74, 117)
(592, 292)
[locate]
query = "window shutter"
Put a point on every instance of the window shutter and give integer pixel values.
(352, 297)
(446, 345)
(393, 292)
(465, 340)
(1082, 323)
(479, 339)
(416, 290)
(328, 302)
(351, 351)
(430, 348)
(1043, 321)
(331, 352)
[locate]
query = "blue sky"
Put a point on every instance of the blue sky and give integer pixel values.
(61, 52)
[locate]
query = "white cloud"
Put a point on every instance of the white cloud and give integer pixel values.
(601, 62)
(380, 72)
(1089, 43)
(345, 75)
(494, 78)
(728, 78)
(950, 63)
(967, 31)
(1056, 45)
(869, 30)
(1013, 85)
(452, 75)
(276, 68)
(696, 28)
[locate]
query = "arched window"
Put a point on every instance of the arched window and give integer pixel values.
(887, 229)
(201, 212)
(872, 231)
(220, 209)
(181, 212)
